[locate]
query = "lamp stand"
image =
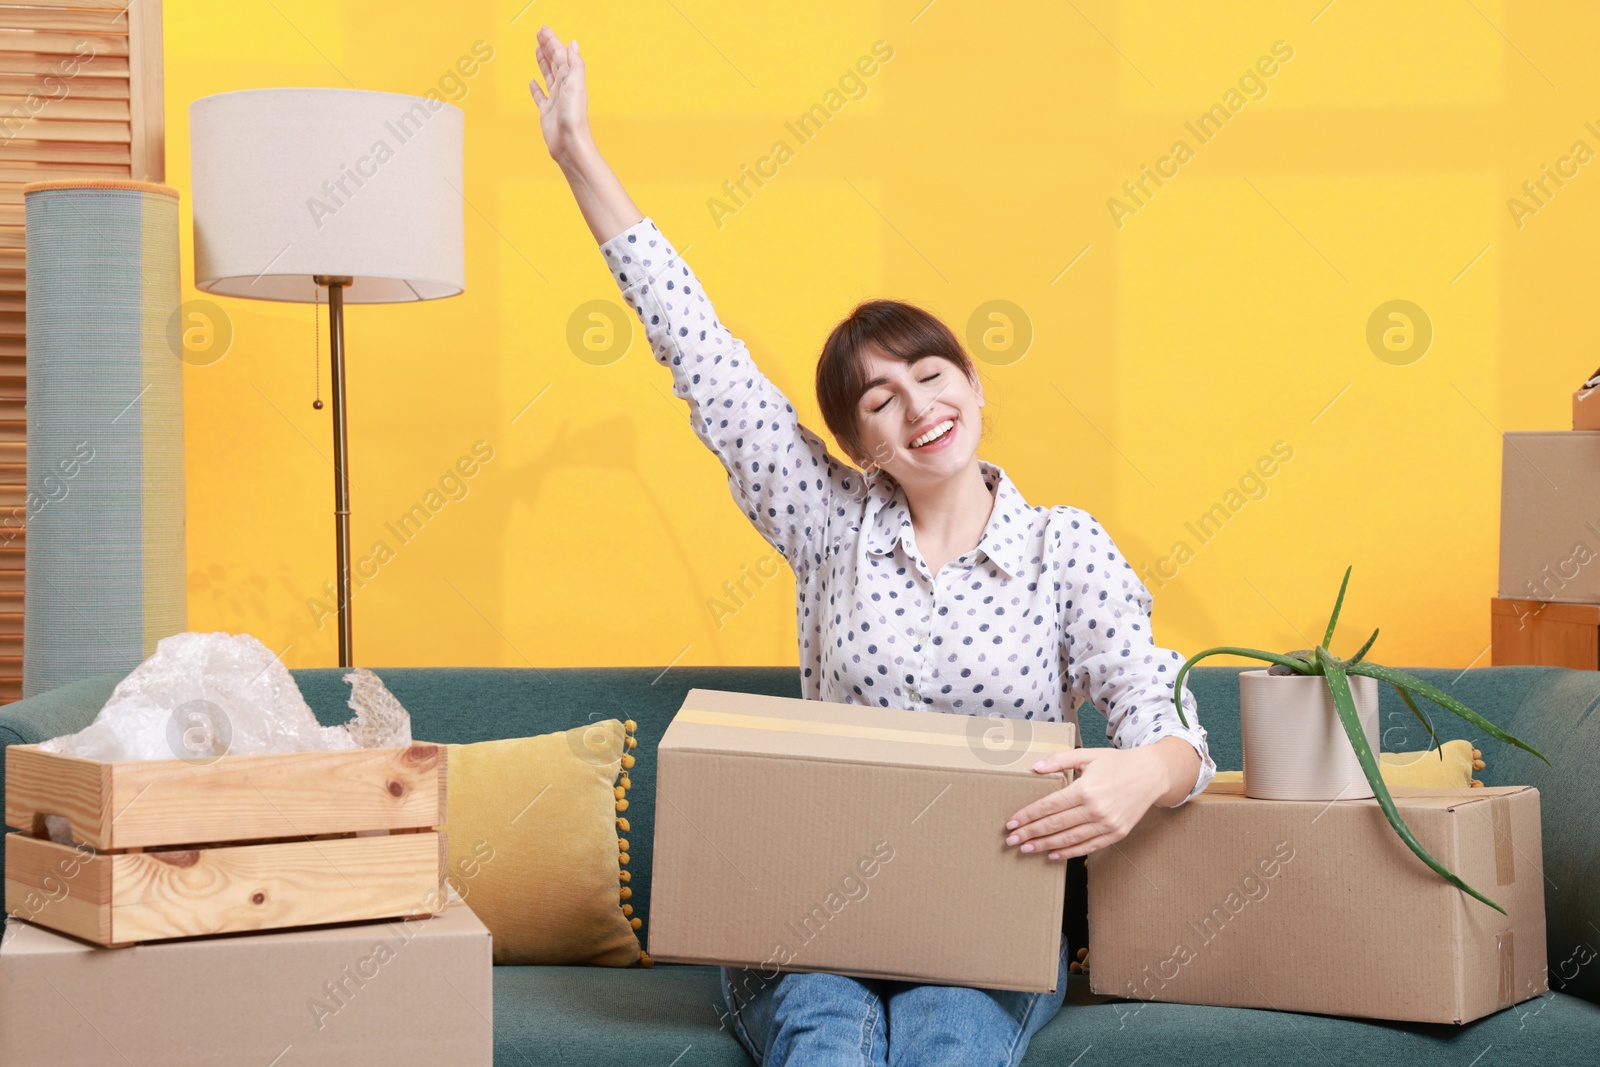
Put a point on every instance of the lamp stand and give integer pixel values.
(335, 284)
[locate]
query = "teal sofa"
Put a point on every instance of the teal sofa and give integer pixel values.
(671, 1015)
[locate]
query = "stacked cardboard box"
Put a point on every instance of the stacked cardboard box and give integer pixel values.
(407, 991)
(1548, 610)
(316, 847)
(1318, 907)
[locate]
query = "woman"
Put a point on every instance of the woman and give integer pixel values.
(924, 580)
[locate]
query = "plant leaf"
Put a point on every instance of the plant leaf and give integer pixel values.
(1344, 703)
(1362, 651)
(1426, 722)
(1299, 666)
(1333, 620)
(1444, 700)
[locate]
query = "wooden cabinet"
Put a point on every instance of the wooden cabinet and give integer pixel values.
(1544, 633)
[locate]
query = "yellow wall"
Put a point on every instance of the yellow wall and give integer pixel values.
(1228, 313)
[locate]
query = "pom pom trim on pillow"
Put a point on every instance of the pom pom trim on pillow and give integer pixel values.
(625, 893)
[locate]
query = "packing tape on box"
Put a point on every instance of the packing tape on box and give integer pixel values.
(839, 729)
(1505, 949)
(1505, 858)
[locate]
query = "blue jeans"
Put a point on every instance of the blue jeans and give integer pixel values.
(818, 1019)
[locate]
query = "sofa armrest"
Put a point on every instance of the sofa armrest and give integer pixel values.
(1560, 716)
(64, 710)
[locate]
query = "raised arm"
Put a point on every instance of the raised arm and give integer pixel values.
(780, 473)
(564, 121)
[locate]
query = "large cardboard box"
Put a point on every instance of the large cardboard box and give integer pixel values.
(1319, 907)
(1550, 516)
(388, 994)
(810, 836)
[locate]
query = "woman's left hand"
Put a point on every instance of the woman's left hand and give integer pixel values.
(1111, 793)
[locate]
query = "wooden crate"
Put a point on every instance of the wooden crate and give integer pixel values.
(1544, 633)
(172, 848)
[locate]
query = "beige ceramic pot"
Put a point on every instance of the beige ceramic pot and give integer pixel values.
(1294, 745)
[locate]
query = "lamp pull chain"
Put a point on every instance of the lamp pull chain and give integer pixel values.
(316, 325)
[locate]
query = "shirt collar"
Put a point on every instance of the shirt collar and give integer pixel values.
(1002, 540)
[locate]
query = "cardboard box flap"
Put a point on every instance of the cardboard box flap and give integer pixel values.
(786, 728)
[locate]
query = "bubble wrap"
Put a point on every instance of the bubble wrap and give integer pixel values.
(203, 695)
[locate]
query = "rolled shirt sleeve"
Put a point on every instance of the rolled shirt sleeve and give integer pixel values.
(780, 473)
(1111, 658)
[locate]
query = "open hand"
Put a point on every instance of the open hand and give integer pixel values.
(1113, 790)
(564, 102)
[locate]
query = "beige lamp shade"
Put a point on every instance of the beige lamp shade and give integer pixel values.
(291, 183)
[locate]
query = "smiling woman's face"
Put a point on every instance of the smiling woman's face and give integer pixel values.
(918, 421)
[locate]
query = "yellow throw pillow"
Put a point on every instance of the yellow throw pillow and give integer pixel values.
(1429, 770)
(532, 828)
(1426, 768)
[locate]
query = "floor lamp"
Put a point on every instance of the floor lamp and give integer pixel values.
(355, 192)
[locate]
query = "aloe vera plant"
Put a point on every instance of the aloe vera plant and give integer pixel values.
(1337, 671)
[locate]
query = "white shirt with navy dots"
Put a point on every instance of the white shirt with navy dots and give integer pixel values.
(1044, 614)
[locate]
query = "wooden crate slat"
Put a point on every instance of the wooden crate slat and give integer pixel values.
(258, 887)
(40, 783)
(34, 861)
(59, 886)
(70, 915)
(170, 802)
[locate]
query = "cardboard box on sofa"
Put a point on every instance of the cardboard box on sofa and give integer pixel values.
(1319, 907)
(811, 836)
(1550, 516)
(1586, 409)
(378, 993)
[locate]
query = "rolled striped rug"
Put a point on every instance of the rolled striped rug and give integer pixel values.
(104, 568)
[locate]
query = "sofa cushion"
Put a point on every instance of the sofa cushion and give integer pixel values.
(673, 1014)
(532, 830)
(1447, 767)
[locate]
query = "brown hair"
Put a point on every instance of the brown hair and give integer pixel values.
(902, 331)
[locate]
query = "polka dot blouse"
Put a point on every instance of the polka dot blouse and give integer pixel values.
(1041, 616)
